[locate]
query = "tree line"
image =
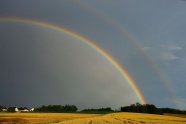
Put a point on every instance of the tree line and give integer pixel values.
(100, 109)
(137, 108)
(56, 108)
(142, 108)
(173, 111)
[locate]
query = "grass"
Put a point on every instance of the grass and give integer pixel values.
(80, 118)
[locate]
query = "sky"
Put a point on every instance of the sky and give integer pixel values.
(42, 66)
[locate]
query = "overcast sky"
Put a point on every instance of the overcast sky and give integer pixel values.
(41, 66)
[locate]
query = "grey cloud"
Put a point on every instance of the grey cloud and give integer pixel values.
(171, 46)
(168, 56)
(46, 67)
(164, 51)
(175, 48)
(54, 68)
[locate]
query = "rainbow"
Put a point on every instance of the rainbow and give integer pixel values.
(135, 42)
(166, 82)
(86, 41)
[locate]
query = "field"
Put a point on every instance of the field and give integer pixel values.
(67, 118)
(176, 115)
(40, 118)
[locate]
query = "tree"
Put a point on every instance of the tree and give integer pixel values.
(141, 108)
(11, 109)
(57, 108)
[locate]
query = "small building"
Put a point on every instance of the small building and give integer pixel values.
(32, 109)
(13, 109)
(23, 109)
(3, 108)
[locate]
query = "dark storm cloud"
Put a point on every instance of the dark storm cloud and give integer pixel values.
(31, 56)
(41, 66)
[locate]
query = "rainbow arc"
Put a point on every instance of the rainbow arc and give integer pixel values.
(90, 43)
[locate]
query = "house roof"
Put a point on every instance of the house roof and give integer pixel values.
(23, 108)
(3, 107)
(12, 107)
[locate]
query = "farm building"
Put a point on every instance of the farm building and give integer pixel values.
(3, 108)
(23, 109)
(32, 109)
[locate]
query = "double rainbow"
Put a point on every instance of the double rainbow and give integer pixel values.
(136, 42)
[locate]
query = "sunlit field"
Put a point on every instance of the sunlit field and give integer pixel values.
(40, 118)
(130, 118)
(176, 115)
(67, 118)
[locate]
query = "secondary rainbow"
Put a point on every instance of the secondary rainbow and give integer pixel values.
(136, 43)
(88, 42)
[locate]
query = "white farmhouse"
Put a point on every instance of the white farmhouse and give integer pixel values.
(32, 109)
(23, 109)
(3, 108)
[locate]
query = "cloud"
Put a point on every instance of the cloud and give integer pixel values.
(172, 48)
(165, 51)
(57, 69)
(168, 56)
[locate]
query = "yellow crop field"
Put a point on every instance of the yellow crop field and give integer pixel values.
(40, 118)
(129, 118)
(176, 115)
(67, 118)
